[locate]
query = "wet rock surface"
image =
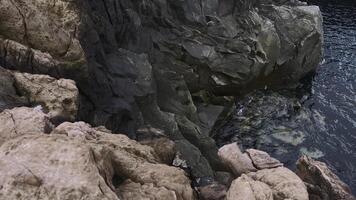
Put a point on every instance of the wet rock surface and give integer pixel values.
(323, 127)
(321, 181)
(275, 122)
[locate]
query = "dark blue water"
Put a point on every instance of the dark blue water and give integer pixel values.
(334, 89)
(317, 119)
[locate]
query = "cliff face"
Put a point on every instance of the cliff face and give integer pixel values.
(142, 62)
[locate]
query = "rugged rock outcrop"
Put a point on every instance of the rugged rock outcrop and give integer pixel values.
(263, 160)
(322, 183)
(268, 184)
(23, 121)
(260, 176)
(245, 188)
(238, 162)
(79, 162)
(59, 97)
(250, 161)
(142, 62)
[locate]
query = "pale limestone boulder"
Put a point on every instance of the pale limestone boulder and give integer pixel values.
(52, 167)
(262, 160)
(76, 161)
(238, 162)
(58, 96)
(322, 183)
(137, 165)
(23, 121)
(283, 182)
(245, 188)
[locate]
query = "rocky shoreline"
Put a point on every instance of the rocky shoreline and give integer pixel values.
(74, 74)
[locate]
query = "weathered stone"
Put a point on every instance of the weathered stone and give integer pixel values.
(284, 183)
(52, 167)
(59, 97)
(164, 148)
(155, 138)
(322, 183)
(77, 161)
(238, 162)
(262, 160)
(46, 27)
(245, 188)
(23, 121)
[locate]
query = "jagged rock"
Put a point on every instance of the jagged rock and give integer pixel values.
(137, 62)
(59, 97)
(245, 188)
(262, 160)
(8, 95)
(79, 162)
(51, 167)
(23, 121)
(50, 28)
(322, 183)
(284, 183)
(238, 162)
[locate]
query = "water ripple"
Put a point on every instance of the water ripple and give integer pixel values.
(320, 118)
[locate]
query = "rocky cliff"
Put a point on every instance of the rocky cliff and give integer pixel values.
(163, 64)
